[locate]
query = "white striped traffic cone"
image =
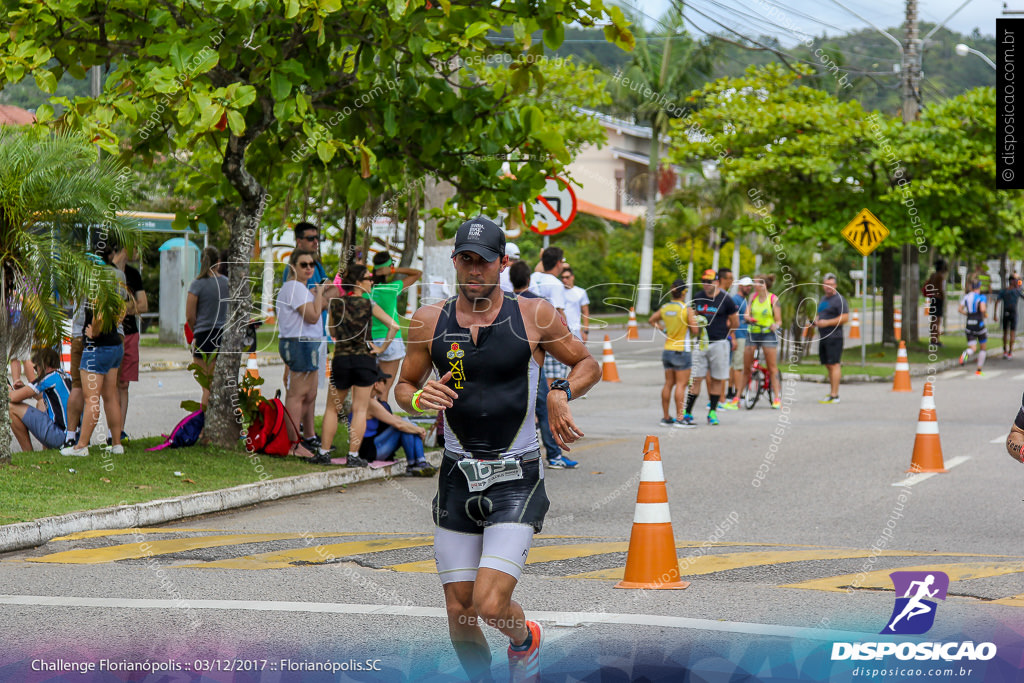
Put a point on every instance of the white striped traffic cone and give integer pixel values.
(609, 373)
(855, 326)
(901, 380)
(927, 456)
(652, 560)
(897, 324)
(632, 331)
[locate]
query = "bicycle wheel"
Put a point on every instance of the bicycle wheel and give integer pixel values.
(753, 391)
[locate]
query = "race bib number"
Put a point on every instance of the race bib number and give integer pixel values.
(480, 474)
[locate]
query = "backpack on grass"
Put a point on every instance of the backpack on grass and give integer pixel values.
(185, 433)
(269, 431)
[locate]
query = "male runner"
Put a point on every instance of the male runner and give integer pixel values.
(973, 306)
(487, 347)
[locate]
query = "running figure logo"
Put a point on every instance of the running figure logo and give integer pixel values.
(913, 614)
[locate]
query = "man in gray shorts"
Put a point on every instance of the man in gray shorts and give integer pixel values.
(720, 317)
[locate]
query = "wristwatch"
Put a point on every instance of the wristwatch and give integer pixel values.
(563, 385)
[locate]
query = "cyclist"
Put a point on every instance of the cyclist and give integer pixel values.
(764, 320)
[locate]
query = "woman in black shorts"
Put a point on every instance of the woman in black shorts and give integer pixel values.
(355, 362)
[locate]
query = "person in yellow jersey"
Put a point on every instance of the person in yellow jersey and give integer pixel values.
(675, 319)
(764, 320)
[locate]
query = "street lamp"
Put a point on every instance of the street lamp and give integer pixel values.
(962, 50)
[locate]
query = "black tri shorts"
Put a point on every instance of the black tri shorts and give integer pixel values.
(521, 501)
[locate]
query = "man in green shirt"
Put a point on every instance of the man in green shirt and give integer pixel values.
(388, 282)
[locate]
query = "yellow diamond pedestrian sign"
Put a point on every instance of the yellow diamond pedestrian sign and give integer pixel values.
(865, 232)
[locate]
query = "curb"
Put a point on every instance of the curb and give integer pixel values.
(165, 365)
(918, 371)
(37, 532)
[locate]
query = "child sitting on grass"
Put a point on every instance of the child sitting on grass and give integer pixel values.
(51, 389)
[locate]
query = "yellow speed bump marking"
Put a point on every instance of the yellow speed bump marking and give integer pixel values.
(130, 551)
(709, 564)
(1015, 601)
(318, 554)
(880, 580)
(553, 553)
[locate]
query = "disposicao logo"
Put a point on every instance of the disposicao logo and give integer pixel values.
(914, 614)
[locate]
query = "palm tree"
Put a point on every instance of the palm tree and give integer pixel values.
(659, 80)
(53, 193)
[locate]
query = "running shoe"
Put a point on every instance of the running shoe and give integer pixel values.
(356, 461)
(829, 399)
(312, 443)
(713, 418)
(322, 458)
(686, 423)
(963, 356)
(667, 421)
(731, 404)
(979, 373)
(562, 463)
(421, 468)
(524, 666)
(776, 404)
(116, 450)
(77, 452)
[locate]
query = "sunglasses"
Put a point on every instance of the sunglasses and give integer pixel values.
(307, 264)
(314, 238)
(708, 282)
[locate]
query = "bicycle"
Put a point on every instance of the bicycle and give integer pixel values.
(760, 382)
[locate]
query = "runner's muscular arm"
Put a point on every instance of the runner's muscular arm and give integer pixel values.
(1015, 443)
(417, 366)
(554, 337)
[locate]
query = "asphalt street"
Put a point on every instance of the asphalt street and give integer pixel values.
(348, 573)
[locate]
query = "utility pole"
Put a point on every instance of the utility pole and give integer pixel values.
(911, 104)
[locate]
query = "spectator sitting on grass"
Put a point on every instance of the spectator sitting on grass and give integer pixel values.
(386, 433)
(51, 390)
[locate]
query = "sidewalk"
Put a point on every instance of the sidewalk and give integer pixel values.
(156, 358)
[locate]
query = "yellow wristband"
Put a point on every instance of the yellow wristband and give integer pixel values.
(415, 399)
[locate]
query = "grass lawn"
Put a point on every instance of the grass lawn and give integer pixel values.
(266, 340)
(918, 353)
(42, 483)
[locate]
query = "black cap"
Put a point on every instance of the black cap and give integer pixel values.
(481, 236)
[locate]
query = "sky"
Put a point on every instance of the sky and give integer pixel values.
(979, 14)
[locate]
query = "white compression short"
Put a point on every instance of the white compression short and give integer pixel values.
(502, 547)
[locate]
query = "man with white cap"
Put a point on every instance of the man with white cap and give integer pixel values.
(732, 398)
(512, 251)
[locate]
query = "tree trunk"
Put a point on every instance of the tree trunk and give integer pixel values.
(643, 293)
(887, 274)
(438, 271)
(5, 356)
(349, 241)
(223, 420)
(412, 230)
(911, 293)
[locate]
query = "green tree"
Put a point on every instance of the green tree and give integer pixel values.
(53, 192)
(246, 92)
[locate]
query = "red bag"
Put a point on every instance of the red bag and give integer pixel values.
(269, 431)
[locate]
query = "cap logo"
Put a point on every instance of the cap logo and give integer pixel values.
(475, 231)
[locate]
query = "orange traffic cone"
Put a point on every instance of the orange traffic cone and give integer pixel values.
(855, 326)
(609, 373)
(897, 324)
(632, 331)
(652, 561)
(901, 381)
(252, 368)
(927, 446)
(65, 354)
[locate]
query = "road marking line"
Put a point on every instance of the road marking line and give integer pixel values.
(1015, 601)
(1001, 439)
(921, 476)
(951, 374)
(553, 553)
(101, 533)
(560, 618)
(960, 571)
(710, 564)
(319, 554)
(131, 551)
